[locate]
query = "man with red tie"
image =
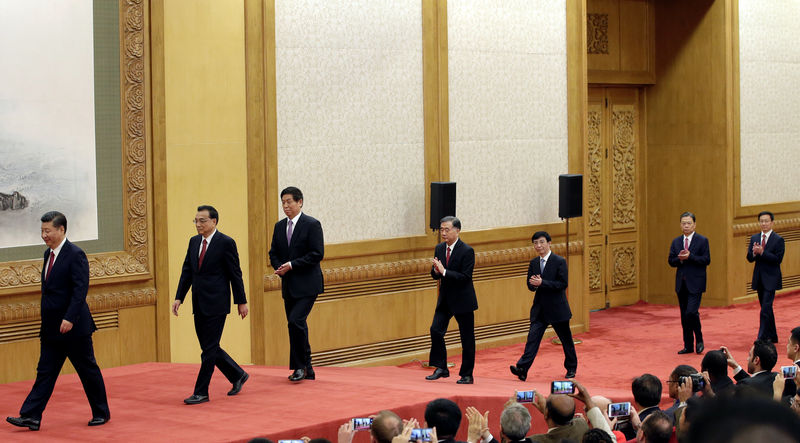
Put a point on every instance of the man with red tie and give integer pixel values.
(690, 255)
(67, 327)
(766, 250)
(211, 268)
(453, 263)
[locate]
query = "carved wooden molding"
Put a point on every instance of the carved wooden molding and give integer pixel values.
(624, 173)
(134, 260)
(594, 197)
(595, 268)
(781, 226)
(597, 33)
(414, 273)
(109, 301)
(624, 265)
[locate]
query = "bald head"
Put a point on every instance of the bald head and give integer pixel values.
(385, 426)
(560, 409)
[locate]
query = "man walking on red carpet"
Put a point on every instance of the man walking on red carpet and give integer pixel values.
(547, 277)
(689, 254)
(211, 268)
(67, 327)
(766, 249)
(453, 263)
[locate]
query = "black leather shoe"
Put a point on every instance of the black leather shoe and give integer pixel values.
(700, 348)
(570, 374)
(298, 375)
(25, 422)
(685, 351)
(521, 373)
(237, 385)
(310, 375)
(195, 399)
(97, 421)
(466, 380)
(438, 373)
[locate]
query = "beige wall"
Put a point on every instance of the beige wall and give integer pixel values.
(205, 147)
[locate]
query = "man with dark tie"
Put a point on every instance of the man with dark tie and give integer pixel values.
(453, 263)
(690, 254)
(766, 249)
(547, 278)
(211, 268)
(295, 253)
(67, 326)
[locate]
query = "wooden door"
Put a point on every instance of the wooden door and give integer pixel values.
(612, 203)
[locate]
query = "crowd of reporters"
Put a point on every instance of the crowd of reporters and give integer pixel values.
(755, 403)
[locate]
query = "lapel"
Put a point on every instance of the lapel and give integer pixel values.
(194, 245)
(211, 249)
(693, 244)
(58, 265)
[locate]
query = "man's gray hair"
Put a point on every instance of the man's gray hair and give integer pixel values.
(515, 422)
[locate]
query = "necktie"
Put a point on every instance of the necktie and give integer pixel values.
(289, 233)
(202, 253)
(541, 266)
(50, 265)
(763, 240)
(447, 258)
(686, 243)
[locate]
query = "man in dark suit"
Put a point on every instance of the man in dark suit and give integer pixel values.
(444, 415)
(66, 329)
(453, 263)
(547, 277)
(766, 249)
(760, 360)
(715, 363)
(689, 253)
(296, 250)
(211, 268)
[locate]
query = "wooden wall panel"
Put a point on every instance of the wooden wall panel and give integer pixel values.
(620, 41)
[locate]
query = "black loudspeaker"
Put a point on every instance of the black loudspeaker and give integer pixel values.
(570, 195)
(443, 202)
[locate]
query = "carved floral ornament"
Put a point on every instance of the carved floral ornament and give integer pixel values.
(134, 260)
(597, 33)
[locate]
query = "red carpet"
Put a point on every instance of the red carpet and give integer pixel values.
(146, 399)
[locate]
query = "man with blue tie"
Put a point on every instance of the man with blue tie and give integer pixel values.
(211, 268)
(690, 254)
(67, 327)
(296, 250)
(766, 250)
(547, 277)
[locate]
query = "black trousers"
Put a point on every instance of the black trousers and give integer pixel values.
(690, 317)
(297, 310)
(209, 332)
(766, 328)
(80, 352)
(466, 329)
(535, 334)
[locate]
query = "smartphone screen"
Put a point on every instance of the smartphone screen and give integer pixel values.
(562, 387)
(619, 409)
(362, 424)
(789, 371)
(420, 434)
(525, 396)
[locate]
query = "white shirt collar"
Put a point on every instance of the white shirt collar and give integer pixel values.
(690, 237)
(768, 233)
(294, 220)
(57, 250)
(451, 246)
(208, 239)
(546, 257)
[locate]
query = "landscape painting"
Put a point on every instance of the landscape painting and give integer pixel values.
(47, 119)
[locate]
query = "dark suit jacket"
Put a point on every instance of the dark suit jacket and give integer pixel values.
(572, 431)
(212, 283)
(456, 291)
(64, 295)
(767, 271)
(762, 382)
(305, 253)
(721, 385)
(550, 302)
(693, 269)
